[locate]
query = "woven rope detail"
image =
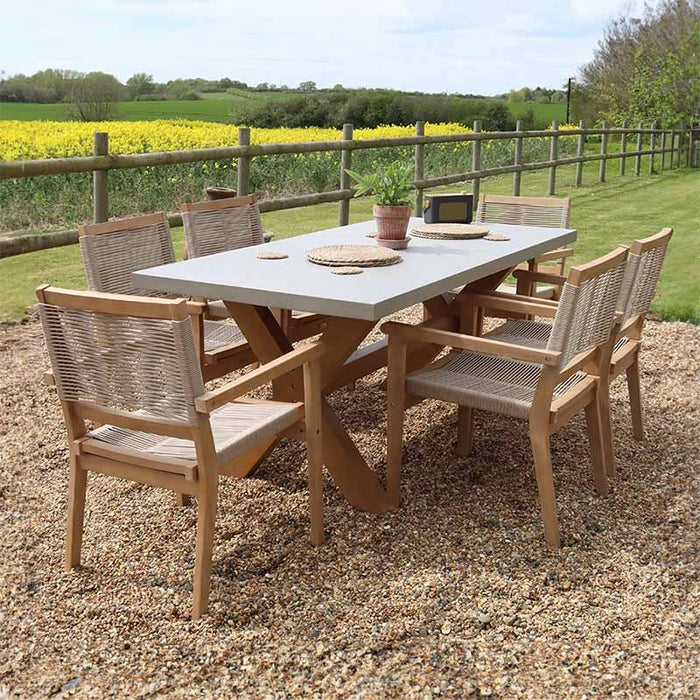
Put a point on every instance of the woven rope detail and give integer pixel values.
(220, 333)
(531, 334)
(133, 364)
(219, 230)
(586, 314)
(555, 216)
(110, 258)
(235, 427)
(642, 276)
(485, 382)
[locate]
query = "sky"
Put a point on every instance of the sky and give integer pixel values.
(481, 47)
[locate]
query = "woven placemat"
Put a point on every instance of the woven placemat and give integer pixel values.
(353, 255)
(272, 255)
(496, 237)
(450, 231)
(347, 270)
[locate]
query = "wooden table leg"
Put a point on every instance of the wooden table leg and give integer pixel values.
(351, 473)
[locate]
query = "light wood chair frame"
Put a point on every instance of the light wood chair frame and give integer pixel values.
(191, 477)
(547, 413)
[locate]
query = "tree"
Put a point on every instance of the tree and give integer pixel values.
(94, 97)
(140, 84)
(647, 68)
(307, 86)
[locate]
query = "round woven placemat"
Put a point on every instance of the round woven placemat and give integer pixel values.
(347, 270)
(353, 255)
(496, 237)
(450, 231)
(272, 255)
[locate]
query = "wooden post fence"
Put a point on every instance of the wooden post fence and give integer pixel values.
(663, 150)
(476, 163)
(603, 152)
(418, 168)
(623, 149)
(517, 159)
(652, 145)
(553, 156)
(580, 150)
(243, 162)
(100, 194)
(680, 145)
(345, 163)
(638, 158)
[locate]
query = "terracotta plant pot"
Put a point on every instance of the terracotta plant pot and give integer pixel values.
(392, 222)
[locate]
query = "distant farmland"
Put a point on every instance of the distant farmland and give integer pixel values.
(214, 107)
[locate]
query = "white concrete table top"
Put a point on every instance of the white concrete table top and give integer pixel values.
(429, 268)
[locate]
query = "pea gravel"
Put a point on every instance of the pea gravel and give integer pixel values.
(453, 595)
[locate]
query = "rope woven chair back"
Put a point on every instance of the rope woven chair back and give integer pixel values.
(220, 225)
(643, 269)
(587, 307)
(113, 250)
(127, 362)
(523, 211)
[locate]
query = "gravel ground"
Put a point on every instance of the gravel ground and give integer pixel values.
(453, 595)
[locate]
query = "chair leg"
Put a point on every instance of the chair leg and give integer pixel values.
(396, 408)
(315, 459)
(545, 484)
(595, 439)
(76, 512)
(465, 430)
(182, 499)
(206, 519)
(635, 400)
(606, 429)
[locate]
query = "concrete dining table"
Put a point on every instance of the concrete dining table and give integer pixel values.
(250, 287)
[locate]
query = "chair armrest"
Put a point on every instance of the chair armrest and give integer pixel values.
(545, 277)
(212, 400)
(196, 308)
(469, 342)
(509, 302)
(559, 254)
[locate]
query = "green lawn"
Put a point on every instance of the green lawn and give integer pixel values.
(605, 215)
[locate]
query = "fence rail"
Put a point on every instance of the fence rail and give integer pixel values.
(678, 143)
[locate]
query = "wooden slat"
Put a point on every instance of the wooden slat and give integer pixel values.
(129, 223)
(218, 204)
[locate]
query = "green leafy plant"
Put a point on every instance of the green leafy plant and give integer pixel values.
(390, 184)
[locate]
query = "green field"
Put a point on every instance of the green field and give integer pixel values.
(605, 215)
(215, 107)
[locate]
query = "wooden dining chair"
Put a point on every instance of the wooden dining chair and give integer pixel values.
(545, 386)
(644, 265)
(549, 212)
(112, 251)
(217, 226)
(129, 364)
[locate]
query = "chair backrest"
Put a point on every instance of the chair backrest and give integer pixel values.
(643, 268)
(113, 250)
(122, 353)
(220, 225)
(588, 305)
(549, 212)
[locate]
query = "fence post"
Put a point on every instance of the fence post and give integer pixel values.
(638, 158)
(476, 162)
(345, 163)
(553, 155)
(100, 196)
(688, 145)
(418, 169)
(623, 149)
(663, 150)
(680, 145)
(243, 162)
(518, 159)
(580, 150)
(652, 145)
(603, 152)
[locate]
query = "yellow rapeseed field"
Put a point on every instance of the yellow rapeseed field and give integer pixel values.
(29, 140)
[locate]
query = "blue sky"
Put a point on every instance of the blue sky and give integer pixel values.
(481, 47)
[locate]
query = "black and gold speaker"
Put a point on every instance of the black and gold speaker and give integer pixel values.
(448, 208)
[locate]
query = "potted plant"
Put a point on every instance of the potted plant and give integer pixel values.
(391, 187)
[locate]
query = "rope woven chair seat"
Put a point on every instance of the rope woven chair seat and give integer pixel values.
(531, 334)
(236, 427)
(218, 334)
(485, 382)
